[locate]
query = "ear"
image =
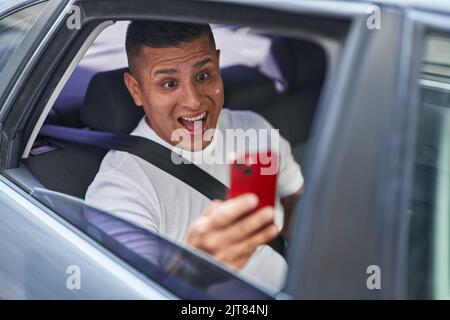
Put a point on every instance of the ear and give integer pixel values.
(218, 55)
(133, 87)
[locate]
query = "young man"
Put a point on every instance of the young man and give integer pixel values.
(175, 76)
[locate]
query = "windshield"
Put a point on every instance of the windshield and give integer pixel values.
(13, 29)
(182, 272)
(7, 5)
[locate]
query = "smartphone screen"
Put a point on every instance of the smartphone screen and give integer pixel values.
(255, 173)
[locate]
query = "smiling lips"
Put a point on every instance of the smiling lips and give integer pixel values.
(194, 123)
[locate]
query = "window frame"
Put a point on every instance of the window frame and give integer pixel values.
(424, 23)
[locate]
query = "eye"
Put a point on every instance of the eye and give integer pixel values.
(202, 76)
(169, 84)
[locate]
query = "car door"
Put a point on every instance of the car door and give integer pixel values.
(36, 90)
(348, 227)
(374, 223)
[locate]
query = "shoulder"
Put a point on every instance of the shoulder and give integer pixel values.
(122, 181)
(121, 169)
(117, 162)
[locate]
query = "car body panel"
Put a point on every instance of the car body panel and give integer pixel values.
(40, 253)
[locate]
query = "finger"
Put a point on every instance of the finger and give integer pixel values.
(266, 235)
(244, 249)
(212, 207)
(246, 227)
(238, 264)
(231, 210)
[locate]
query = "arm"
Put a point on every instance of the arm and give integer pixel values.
(288, 205)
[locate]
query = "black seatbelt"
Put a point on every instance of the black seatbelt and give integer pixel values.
(154, 153)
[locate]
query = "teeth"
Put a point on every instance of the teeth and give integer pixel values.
(199, 117)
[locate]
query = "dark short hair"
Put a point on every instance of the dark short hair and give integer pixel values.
(162, 34)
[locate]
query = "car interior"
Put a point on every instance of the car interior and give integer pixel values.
(283, 85)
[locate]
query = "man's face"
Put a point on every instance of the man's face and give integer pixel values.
(180, 88)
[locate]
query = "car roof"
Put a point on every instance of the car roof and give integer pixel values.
(424, 5)
(344, 7)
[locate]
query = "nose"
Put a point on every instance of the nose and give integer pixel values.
(191, 96)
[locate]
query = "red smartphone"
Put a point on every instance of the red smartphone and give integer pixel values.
(255, 173)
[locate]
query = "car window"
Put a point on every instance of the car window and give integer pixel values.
(429, 274)
(184, 273)
(14, 28)
(7, 5)
(247, 87)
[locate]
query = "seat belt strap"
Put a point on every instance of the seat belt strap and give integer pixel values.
(146, 149)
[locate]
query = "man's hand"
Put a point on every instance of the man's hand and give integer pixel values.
(231, 232)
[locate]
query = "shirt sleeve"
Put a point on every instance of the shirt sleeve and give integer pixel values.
(290, 178)
(119, 193)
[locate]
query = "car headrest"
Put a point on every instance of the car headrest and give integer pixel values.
(246, 87)
(108, 106)
(295, 63)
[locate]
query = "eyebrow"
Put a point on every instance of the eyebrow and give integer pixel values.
(165, 71)
(172, 71)
(202, 63)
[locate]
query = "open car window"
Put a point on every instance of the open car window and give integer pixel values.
(184, 273)
(279, 78)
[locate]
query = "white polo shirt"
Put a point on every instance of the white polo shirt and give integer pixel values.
(135, 190)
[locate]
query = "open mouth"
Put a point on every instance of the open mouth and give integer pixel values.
(196, 124)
